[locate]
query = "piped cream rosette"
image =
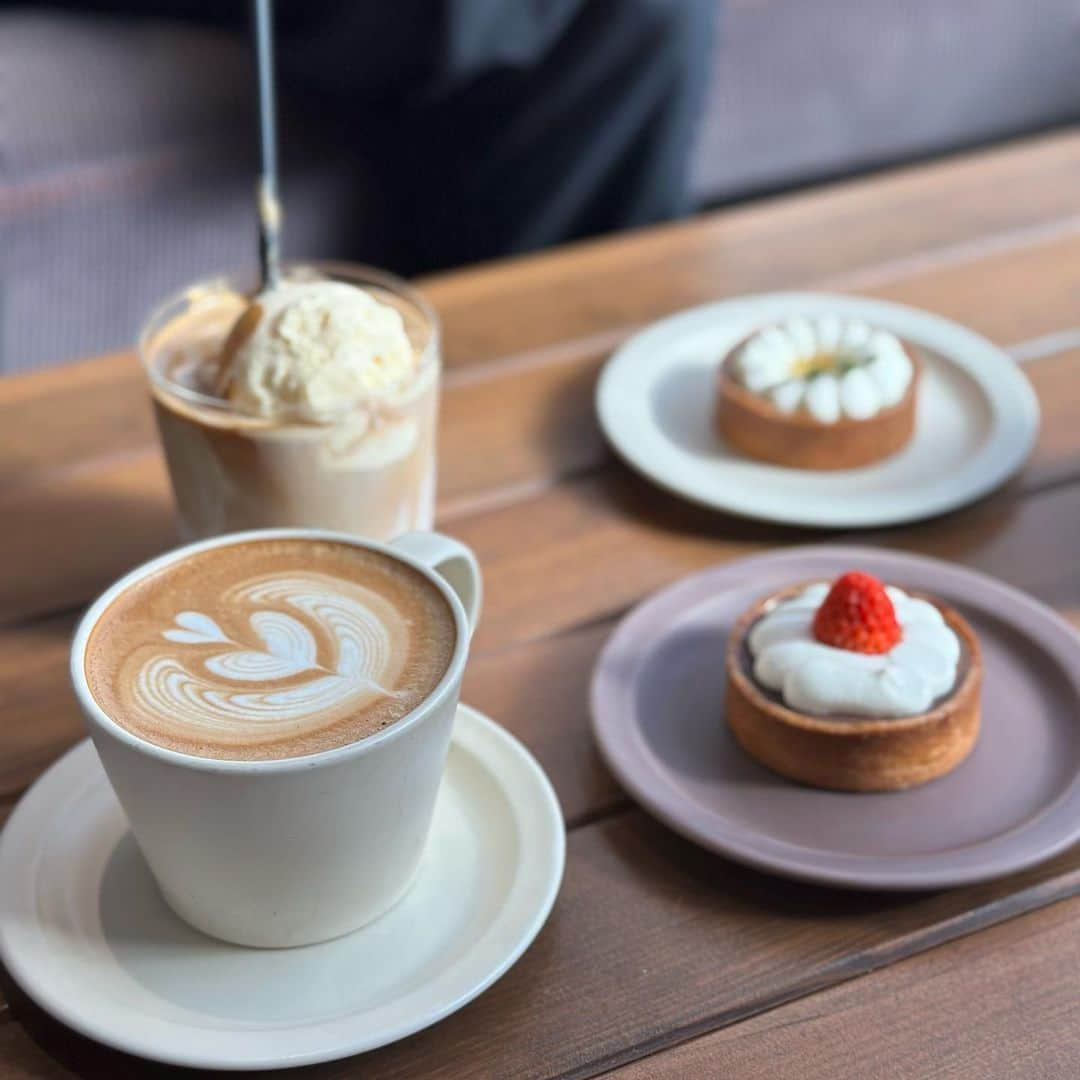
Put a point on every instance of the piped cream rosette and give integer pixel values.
(827, 366)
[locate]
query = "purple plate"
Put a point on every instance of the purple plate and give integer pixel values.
(658, 716)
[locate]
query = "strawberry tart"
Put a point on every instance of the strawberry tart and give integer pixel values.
(854, 685)
(818, 393)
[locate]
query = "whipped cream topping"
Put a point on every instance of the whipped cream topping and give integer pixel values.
(828, 366)
(315, 350)
(821, 680)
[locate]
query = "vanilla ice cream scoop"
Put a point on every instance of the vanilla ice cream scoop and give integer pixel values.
(315, 350)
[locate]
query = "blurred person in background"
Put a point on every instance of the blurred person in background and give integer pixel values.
(415, 135)
(490, 126)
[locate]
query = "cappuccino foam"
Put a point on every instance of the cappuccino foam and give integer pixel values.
(270, 649)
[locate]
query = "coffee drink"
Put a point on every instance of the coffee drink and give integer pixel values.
(246, 656)
(314, 406)
(270, 648)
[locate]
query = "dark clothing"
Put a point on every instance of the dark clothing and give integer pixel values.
(492, 126)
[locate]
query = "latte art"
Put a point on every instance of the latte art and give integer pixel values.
(215, 691)
(291, 659)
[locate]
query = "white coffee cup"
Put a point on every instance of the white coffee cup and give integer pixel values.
(295, 850)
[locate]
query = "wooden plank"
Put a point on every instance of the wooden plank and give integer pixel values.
(1000, 1004)
(512, 434)
(61, 533)
(593, 548)
(67, 416)
(653, 941)
(584, 289)
(23, 1059)
(891, 225)
(1056, 456)
(121, 508)
(518, 429)
(41, 717)
(1007, 295)
(527, 421)
(541, 694)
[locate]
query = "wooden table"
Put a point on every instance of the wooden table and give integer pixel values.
(659, 959)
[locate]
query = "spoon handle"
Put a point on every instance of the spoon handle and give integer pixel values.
(269, 208)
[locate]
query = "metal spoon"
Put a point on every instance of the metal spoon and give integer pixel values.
(267, 204)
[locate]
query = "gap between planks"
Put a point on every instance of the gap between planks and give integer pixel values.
(1008, 906)
(615, 1064)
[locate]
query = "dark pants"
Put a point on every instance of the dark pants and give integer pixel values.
(493, 126)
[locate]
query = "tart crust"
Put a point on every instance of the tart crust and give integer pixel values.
(756, 427)
(858, 753)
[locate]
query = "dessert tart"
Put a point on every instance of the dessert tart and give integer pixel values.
(818, 393)
(854, 686)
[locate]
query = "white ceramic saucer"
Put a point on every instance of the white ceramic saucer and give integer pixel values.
(977, 418)
(85, 933)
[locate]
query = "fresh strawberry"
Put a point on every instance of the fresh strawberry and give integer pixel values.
(857, 615)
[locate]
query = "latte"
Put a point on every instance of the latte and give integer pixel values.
(270, 648)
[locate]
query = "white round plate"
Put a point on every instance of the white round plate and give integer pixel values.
(977, 418)
(85, 933)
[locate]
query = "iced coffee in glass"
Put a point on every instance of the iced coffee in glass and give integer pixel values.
(312, 404)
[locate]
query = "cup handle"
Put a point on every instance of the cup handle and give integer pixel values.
(451, 560)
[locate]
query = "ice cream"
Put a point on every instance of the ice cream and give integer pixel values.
(314, 351)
